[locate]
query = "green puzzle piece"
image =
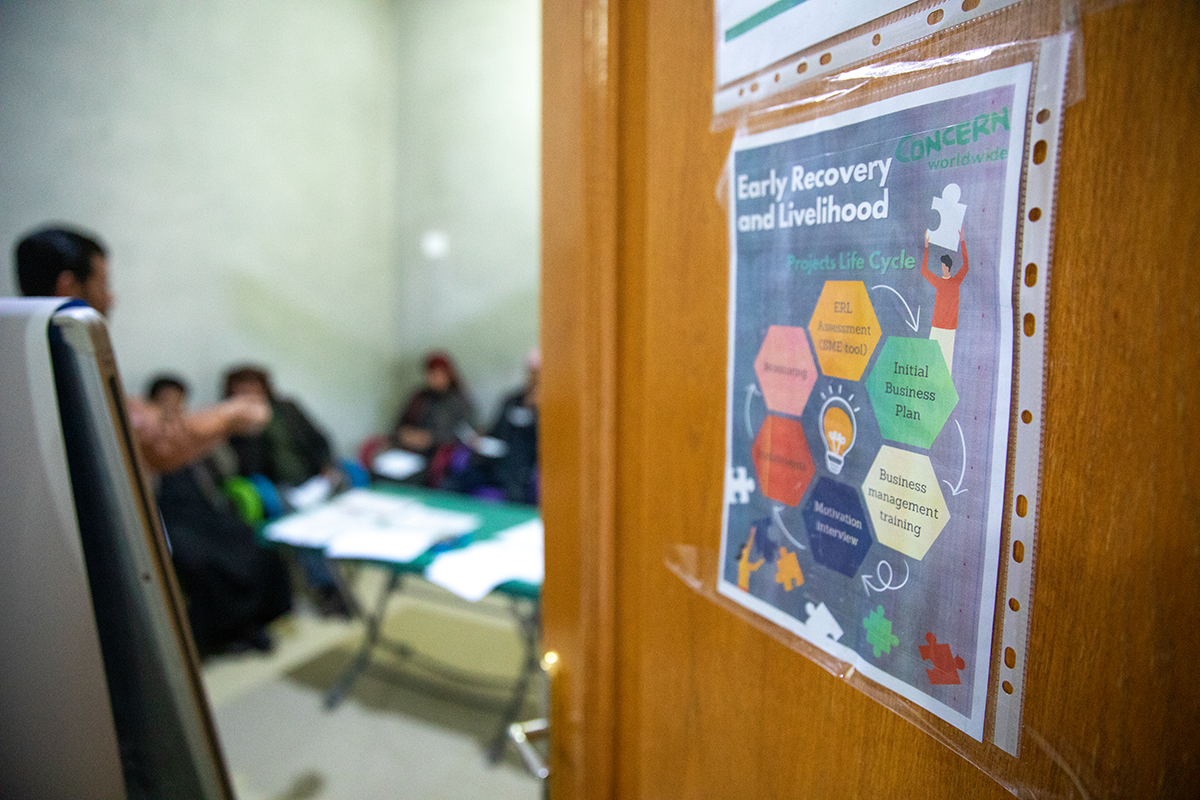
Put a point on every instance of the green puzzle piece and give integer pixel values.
(879, 632)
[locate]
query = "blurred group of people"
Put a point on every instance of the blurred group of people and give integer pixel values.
(210, 507)
(438, 424)
(218, 471)
(235, 586)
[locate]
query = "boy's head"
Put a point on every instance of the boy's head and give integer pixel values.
(61, 262)
(169, 393)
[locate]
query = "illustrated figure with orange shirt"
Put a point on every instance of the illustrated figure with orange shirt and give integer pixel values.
(945, 303)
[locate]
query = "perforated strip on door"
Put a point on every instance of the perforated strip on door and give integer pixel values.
(1037, 239)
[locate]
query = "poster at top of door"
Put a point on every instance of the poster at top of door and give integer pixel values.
(753, 34)
(870, 377)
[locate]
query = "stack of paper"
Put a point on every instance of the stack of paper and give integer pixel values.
(368, 525)
(308, 528)
(398, 464)
(310, 493)
(516, 554)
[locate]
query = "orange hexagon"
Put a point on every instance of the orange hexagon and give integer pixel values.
(782, 460)
(844, 329)
(785, 369)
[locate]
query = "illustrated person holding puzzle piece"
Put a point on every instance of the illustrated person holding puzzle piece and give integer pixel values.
(945, 304)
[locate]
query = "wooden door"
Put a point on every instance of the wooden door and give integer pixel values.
(659, 692)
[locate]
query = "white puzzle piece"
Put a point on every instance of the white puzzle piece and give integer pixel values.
(738, 486)
(821, 622)
(951, 212)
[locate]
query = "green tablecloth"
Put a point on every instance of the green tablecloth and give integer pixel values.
(495, 516)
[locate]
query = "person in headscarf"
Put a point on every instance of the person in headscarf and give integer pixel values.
(437, 417)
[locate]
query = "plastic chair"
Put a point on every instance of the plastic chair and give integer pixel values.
(371, 447)
(246, 500)
(357, 474)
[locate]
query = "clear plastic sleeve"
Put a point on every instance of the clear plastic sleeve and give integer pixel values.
(785, 376)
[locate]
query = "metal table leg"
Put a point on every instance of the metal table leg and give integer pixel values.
(531, 625)
(342, 686)
(521, 733)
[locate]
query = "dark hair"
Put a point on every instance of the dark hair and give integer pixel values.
(165, 381)
(249, 372)
(948, 261)
(45, 254)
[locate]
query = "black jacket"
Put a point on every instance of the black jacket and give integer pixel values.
(290, 450)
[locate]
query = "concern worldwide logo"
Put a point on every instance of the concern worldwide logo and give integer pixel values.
(944, 147)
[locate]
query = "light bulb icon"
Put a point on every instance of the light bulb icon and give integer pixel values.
(838, 428)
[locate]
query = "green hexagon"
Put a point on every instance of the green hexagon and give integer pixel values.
(911, 391)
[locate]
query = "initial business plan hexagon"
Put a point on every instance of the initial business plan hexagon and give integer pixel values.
(911, 391)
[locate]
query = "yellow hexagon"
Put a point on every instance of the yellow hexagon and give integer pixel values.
(905, 502)
(844, 329)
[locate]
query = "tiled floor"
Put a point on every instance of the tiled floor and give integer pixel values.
(399, 734)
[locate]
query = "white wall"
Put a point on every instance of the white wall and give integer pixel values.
(262, 173)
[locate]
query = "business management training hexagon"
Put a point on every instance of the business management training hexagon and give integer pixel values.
(905, 500)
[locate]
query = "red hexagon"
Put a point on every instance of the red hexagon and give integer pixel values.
(785, 369)
(782, 460)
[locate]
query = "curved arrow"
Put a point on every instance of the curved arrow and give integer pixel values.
(884, 585)
(751, 390)
(913, 322)
(779, 521)
(956, 490)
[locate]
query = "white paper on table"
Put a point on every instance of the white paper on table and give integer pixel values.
(398, 464)
(308, 528)
(527, 534)
(362, 508)
(396, 545)
(308, 494)
(516, 554)
(366, 521)
(367, 502)
(445, 523)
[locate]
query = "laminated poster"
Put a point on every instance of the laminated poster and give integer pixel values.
(870, 374)
(753, 34)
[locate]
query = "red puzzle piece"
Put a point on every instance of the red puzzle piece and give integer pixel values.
(945, 664)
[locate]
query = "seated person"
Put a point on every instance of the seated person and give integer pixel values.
(510, 465)
(290, 451)
(64, 262)
(435, 418)
(233, 587)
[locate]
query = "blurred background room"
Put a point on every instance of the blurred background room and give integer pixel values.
(332, 189)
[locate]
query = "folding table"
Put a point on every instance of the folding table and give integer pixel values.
(524, 598)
